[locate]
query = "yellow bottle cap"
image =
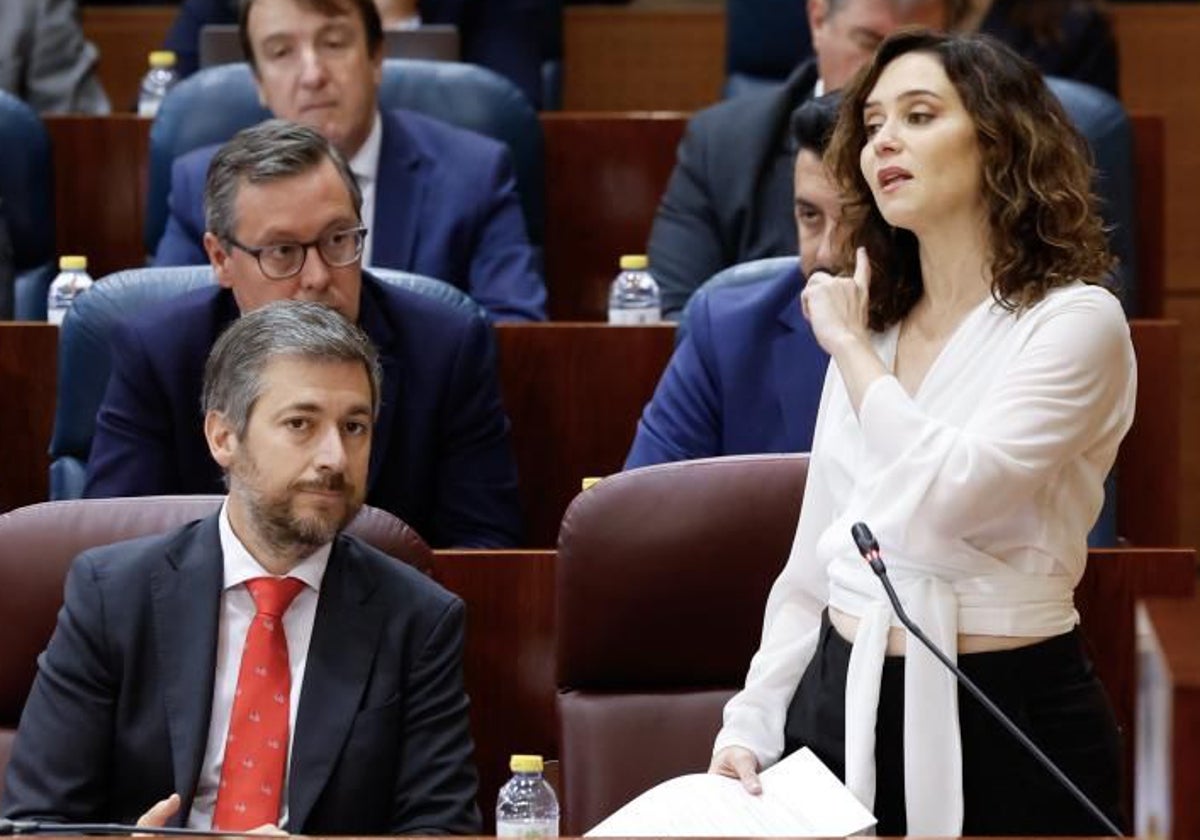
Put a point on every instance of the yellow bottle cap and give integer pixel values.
(634, 262)
(72, 263)
(162, 58)
(525, 764)
(591, 481)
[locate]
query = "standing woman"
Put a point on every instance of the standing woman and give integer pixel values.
(981, 381)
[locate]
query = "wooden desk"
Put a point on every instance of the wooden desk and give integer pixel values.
(574, 393)
(28, 381)
(509, 660)
(1168, 744)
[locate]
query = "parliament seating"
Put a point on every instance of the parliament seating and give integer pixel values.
(657, 617)
(211, 105)
(37, 544)
(84, 358)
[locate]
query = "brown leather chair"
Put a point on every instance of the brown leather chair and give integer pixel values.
(37, 544)
(662, 576)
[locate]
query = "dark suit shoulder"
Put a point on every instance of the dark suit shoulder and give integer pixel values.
(190, 321)
(440, 140)
(760, 114)
(397, 580)
(752, 304)
(128, 562)
(414, 314)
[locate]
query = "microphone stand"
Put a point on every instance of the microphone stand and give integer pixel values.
(868, 547)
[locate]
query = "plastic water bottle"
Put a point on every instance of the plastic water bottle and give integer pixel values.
(72, 281)
(634, 297)
(159, 79)
(527, 806)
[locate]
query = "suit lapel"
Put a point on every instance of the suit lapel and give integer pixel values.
(399, 198)
(375, 323)
(340, 659)
(186, 592)
(788, 351)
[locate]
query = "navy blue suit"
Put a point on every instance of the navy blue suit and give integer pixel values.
(441, 458)
(746, 378)
(118, 715)
(446, 206)
(501, 35)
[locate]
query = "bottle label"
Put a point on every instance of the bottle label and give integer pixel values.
(148, 107)
(527, 828)
(630, 317)
(55, 315)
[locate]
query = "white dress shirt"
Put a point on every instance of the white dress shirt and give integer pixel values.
(365, 166)
(981, 488)
(237, 611)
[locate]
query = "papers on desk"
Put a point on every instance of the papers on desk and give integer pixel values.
(800, 798)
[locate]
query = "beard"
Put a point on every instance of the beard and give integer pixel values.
(274, 515)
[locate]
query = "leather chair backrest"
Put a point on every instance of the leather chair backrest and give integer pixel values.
(662, 576)
(26, 203)
(215, 103)
(37, 544)
(742, 274)
(84, 358)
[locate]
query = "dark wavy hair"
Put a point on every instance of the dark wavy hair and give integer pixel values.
(1043, 218)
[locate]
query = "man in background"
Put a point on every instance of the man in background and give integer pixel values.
(438, 200)
(729, 198)
(46, 61)
(284, 222)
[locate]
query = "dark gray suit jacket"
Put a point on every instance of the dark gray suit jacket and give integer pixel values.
(45, 60)
(119, 712)
(729, 199)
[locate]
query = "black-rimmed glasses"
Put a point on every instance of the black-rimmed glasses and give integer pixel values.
(282, 260)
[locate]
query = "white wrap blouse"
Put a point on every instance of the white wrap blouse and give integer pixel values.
(981, 488)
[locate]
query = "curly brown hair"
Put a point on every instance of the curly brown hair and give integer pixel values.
(1043, 218)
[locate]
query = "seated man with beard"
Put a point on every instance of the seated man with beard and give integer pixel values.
(189, 671)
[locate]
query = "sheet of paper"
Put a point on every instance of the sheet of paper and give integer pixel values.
(800, 798)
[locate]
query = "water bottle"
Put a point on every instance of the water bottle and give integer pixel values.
(72, 281)
(159, 79)
(527, 806)
(634, 297)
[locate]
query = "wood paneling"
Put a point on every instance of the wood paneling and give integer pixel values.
(574, 393)
(101, 172)
(1174, 626)
(643, 57)
(125, 36)
(28, 373)
(605, 174)
(1148, 472)
(509, 658)
(1186, 309)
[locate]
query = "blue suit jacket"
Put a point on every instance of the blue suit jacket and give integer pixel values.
(441, 458)
(118, 715)
(446, 206)
(747, 378)
(501, 35)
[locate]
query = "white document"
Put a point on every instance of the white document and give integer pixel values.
(800, 798)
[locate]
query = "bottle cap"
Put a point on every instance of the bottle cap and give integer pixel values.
(162, 58)
(72, 263)
(633, 262)
(591, 481)
(525, 764)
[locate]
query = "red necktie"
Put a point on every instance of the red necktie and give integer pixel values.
(256, 748)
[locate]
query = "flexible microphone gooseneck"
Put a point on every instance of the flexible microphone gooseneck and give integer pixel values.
(868, 547)
(11, 827)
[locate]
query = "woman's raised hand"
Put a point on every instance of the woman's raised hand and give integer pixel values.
(836, 306)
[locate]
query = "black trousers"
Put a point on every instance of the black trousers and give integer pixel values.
(1048, 689)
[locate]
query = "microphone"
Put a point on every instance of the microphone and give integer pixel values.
(12, 827)
(868, 547)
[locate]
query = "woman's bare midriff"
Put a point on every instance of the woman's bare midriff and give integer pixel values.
(847, 627)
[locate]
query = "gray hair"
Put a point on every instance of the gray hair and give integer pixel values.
(301, 329)
(270, 151)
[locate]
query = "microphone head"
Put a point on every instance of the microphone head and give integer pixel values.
(864, 539)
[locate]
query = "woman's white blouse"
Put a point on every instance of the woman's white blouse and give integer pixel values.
(981, 489)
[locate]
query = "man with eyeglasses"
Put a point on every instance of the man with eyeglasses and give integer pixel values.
(283, 221)
(437, 200)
